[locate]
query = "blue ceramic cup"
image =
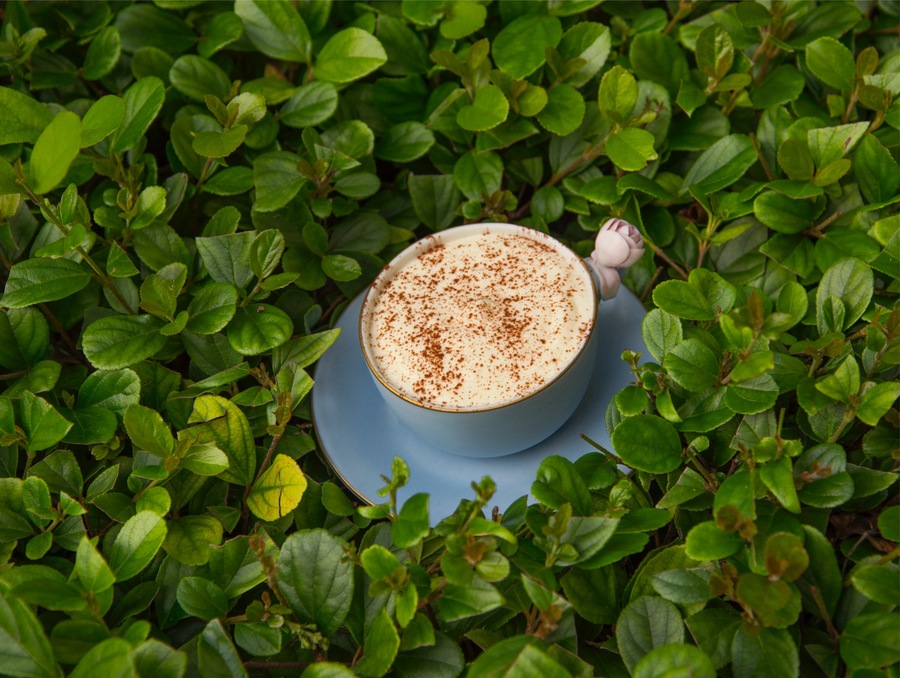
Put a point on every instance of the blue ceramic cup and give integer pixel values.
(497, 429)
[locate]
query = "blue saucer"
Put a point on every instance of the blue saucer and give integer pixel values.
(360, 436)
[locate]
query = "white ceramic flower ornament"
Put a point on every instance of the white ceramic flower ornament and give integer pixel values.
(618, 245)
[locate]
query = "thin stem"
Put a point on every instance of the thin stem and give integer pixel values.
(845, 421)
(649, 286)
(59, 328)
(684, 8)
(816, 231)
(845, 118)
(665, 257)
(762, 159)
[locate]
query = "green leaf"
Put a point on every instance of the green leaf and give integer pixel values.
(877, 173)
(661, 332)
(517, 657)
(778, 477)
(136, 544)
(645, 624)
(461, 18)
(405, 142)
(91, 568)
(693, 365)
(148, 431)
(518, 49)
(435, 199)
(411, 524)
(36, 281)
(880, 583)
(278, 490)
(831, 62)
(201, 598)
(782, 214)
(225, 425)
(114, 391)
(460, 602)
(277, 180)
(618, 94)
(143, 101)
(222, 30)
(752, 396)
(230, 181)
(488, 110)
(44, 425)
(24, 648)
(868, 640)
(683, 587)
(876, 402)
(212, 307)
(114, 342)
(24, 338)
(705, 541)
(219, 144)
(829, 144)
(647, 443)
(216, 654)
(23, 118)
(558, 482)
(478, 175)
(258, 329)
(349, 55)
(852, 282)
(197, 77)
(564, 111)
(682, 300)
(764, 653)
(275, 29)
(312, 104)
(54, 151)
(720, 165)
(227, 257)
(715, 51)
(675, 660)
(658, 57)
(111, 657)
(380, 647)
(103, 54)
(316, 580)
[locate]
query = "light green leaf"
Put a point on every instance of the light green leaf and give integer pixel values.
(136, 544)
(216, 654)
(54, 152)
(380, 647)
(631, 149)
(278, 490)
(148, 431)
(111, 657)
(223, 423)
(23, 118)
(349, 55)
(114, 342)
(488, 110)
(44, 425)
(143, 101)
(312, 104)
(674, 660)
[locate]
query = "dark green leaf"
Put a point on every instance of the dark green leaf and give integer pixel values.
(317, 583)
(830, 62)
(645, 624)
(103, 54)
(672, 660)
(275, 29)
(518, 49)
(647, 443)
(758, 652)
(201, 598)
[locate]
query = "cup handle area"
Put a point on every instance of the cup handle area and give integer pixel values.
(618, 245)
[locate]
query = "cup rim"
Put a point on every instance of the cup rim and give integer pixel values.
(418, 247)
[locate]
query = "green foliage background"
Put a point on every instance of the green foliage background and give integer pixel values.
(191, 192)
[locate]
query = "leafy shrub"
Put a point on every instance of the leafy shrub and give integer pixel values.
(191, 192)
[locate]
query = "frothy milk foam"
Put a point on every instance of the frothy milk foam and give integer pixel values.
(480, 320)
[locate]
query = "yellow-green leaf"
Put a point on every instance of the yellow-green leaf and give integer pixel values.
(278, 491)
